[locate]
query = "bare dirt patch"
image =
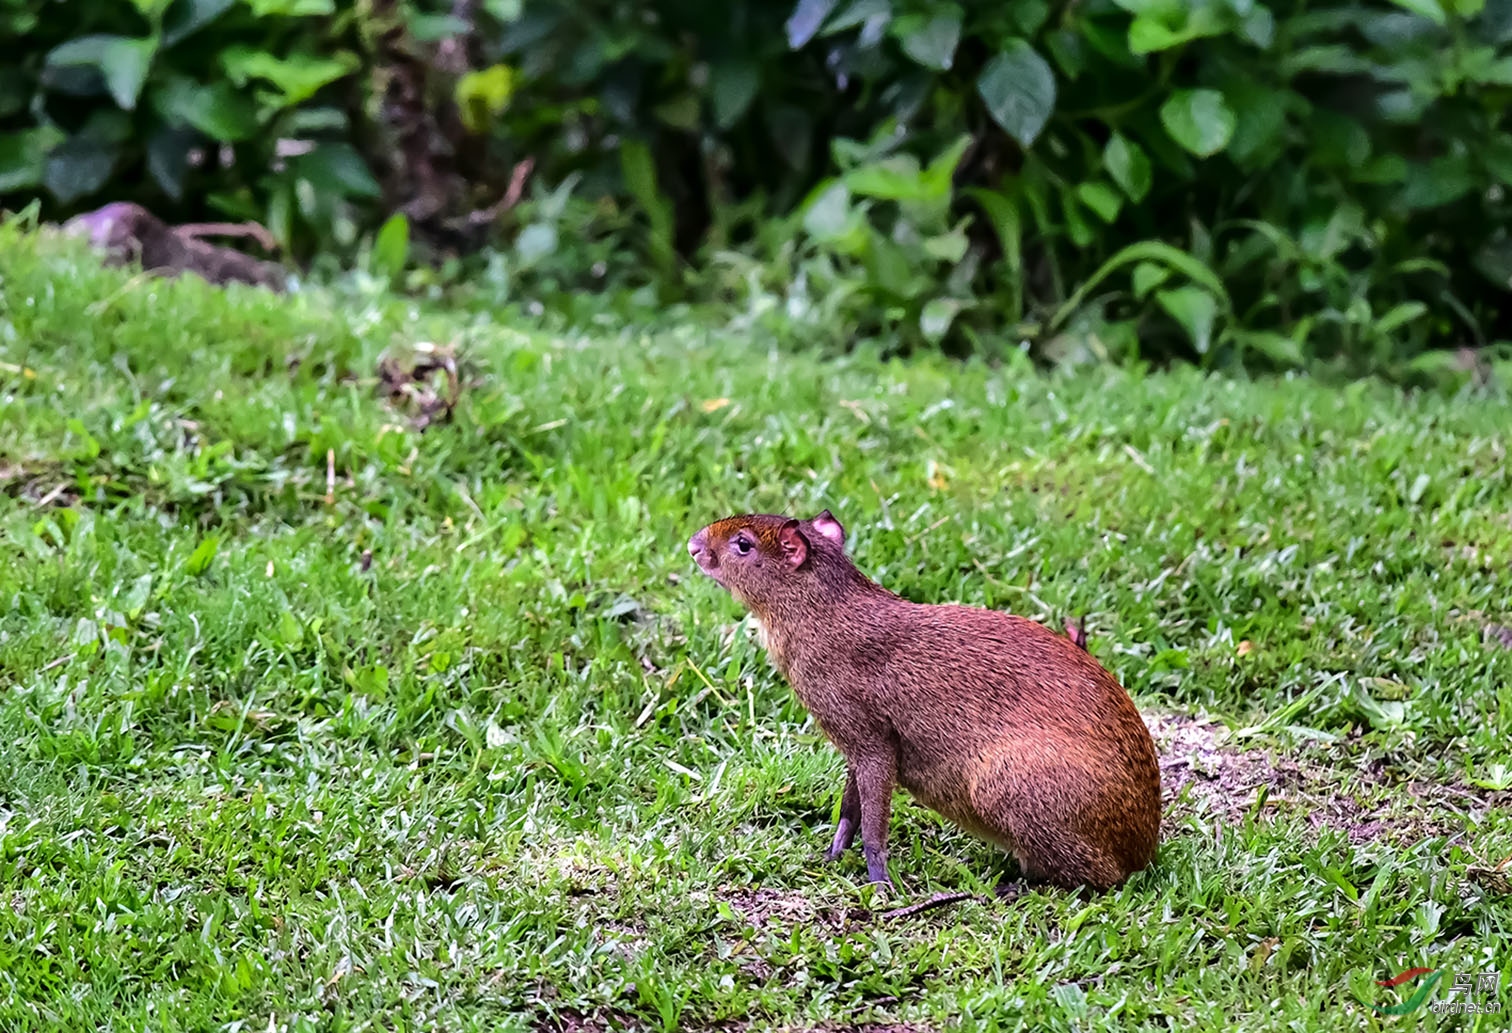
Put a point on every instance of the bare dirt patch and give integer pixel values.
(1206, 771)
(763, 908)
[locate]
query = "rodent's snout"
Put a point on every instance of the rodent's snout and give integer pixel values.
(708, 563)
(698, 548)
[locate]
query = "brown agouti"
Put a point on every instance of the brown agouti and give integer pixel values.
(1011, 731)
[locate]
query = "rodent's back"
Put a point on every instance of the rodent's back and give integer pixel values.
(976, 669)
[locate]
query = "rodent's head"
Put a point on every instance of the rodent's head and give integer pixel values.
(765, 561)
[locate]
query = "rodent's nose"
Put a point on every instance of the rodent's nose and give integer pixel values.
(696, 544)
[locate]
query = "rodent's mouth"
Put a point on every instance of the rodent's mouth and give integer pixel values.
(709, 570)
(699, 550)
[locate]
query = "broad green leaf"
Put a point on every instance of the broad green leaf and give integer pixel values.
(803, 24)
(1199, 120)
(1101, 198)
(1019, 89)
(1400, 315)
(1081, 231)
(936, 317)
(336, 168)
(1438, 182)
(391, 246)
(218, 111)
(1148, 36)
(484, 95)
(732, 87)
(894, 178)
(1259, 27)
(1195, 309)
(829, 216)
(1147, 276)
(947, 247)
(297, 77)
(23, 157)
(1128, 166)
(889, 268)
(939, 175)
(123, 62)
(1069, 51)
(931, 41)
(1029, 15)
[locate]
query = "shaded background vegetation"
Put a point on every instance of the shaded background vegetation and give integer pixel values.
(1224, 181)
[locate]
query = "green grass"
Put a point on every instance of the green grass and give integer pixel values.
(466, 744)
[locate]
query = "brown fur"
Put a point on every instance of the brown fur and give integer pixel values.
(1010, 730)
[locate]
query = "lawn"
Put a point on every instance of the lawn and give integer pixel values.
(311, 719)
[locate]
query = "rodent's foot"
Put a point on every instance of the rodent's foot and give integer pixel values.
(845, 835)
(1007, 890)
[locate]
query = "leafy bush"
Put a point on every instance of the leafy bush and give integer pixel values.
(1260, 181)
(184, 105)
(1226, 180)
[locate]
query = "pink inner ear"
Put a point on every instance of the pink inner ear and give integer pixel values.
(828, 526)
(794, 547)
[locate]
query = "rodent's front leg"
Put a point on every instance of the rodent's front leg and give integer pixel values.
(876, 775)
(850, 816)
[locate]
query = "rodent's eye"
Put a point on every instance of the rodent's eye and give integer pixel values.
(742, 545)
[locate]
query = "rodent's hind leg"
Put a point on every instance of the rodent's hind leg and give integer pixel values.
(1042, 817)
(876, 777)
(850, 817)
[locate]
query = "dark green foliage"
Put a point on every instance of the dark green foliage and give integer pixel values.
(1225, 180)
(192, 107)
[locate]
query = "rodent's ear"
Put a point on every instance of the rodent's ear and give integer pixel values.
(794, 546)
(826, 524)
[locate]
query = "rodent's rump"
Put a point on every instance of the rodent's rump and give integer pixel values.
(1012, 731)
